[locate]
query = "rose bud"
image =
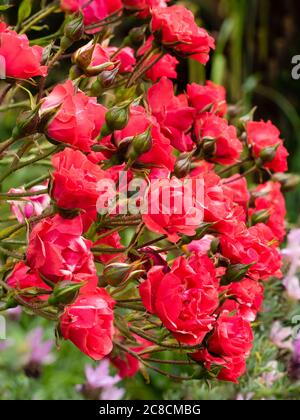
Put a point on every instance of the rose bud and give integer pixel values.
(105, 80)
(288, 181)
(183, 165)
(27, 123)
(235, 273)
(65, 292)
(136, 36)
(74, 29)
(117, 117)
(261, 216)
(140, 144)
(117, 274)
(268, 154)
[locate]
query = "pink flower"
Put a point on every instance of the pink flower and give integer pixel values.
(210, 97)
(125, 56)
(78, 119)
(143, 7)
(21, 61)
(29, 206)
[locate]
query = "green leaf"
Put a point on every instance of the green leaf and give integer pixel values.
(24, 10)
(4, 7)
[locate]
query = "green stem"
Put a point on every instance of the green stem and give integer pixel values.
(16, 196)
(38, 17)
(15, 105)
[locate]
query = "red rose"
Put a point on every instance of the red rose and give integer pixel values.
(237, 188)
(22, 277)
(232, 336)
(173, 114)
(75, 180)
(184, 299)
(231, 367)
(171, 217)
(88, 323)
(161, 150)
(210, 97)
(248, 297)
(225, 148)
(58, 251)
(254, 246)
(126, 364)
(269, 198)
(78, 119)
(143, 7)
(264, 138)
(175, 27)
(112, 240)
(126, 58)
(93, 11)
(165, 67)
(21, 61)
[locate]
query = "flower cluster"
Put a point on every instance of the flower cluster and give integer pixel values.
(182, 268)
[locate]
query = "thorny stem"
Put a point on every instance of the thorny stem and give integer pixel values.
(22, 195)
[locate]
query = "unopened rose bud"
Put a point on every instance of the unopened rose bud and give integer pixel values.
(214, 245)
(140, 144)
(117, 274)
(235, 273)
(136, 36)
(268, 154)
(107, 77)
(261, 216)
(65, 293)
(183, 165)
(209, 147)
(74, 29)
(288, 181)
(83, 56)
(26, 123)
(117, 117)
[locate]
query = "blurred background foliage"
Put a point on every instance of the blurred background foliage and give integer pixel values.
(256, 40)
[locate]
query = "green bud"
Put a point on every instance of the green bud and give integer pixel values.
(26, 123)
(65, 293)
(117, 117)
(288, 181)
(214, 245)
(107, 77)
(74, 29)
(235, 273)
(11, 303)
(209, 147)
(139, 145)
(268, 154)
(117, 274)
(183, 165)
(261, 216)
(136, 36)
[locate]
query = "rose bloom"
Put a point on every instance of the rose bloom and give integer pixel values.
(21, 61)
(231, 367)
(184, 299)
(161, 151)
(264, 135)
(143, 7)
(88, 323)
(74, 185)
(211, 97)
(29, 206)
(165, 67)
(58, 251)
(232, 336)
(112, 240)
(125, 363)
(248, 298)
(22, 277)
(126, 58)
(255, 246)
(173, 113)
(170, 216)
(78, 117)
(237, 188)
(269, 197)
(94, 10)
(176, 29)
(227, 148)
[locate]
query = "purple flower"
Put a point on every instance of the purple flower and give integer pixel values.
(100, 384)
(292, 254)
(281, 336)
(294, 365)
(40, 351)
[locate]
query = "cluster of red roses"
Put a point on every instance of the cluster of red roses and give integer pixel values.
(205, 287)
